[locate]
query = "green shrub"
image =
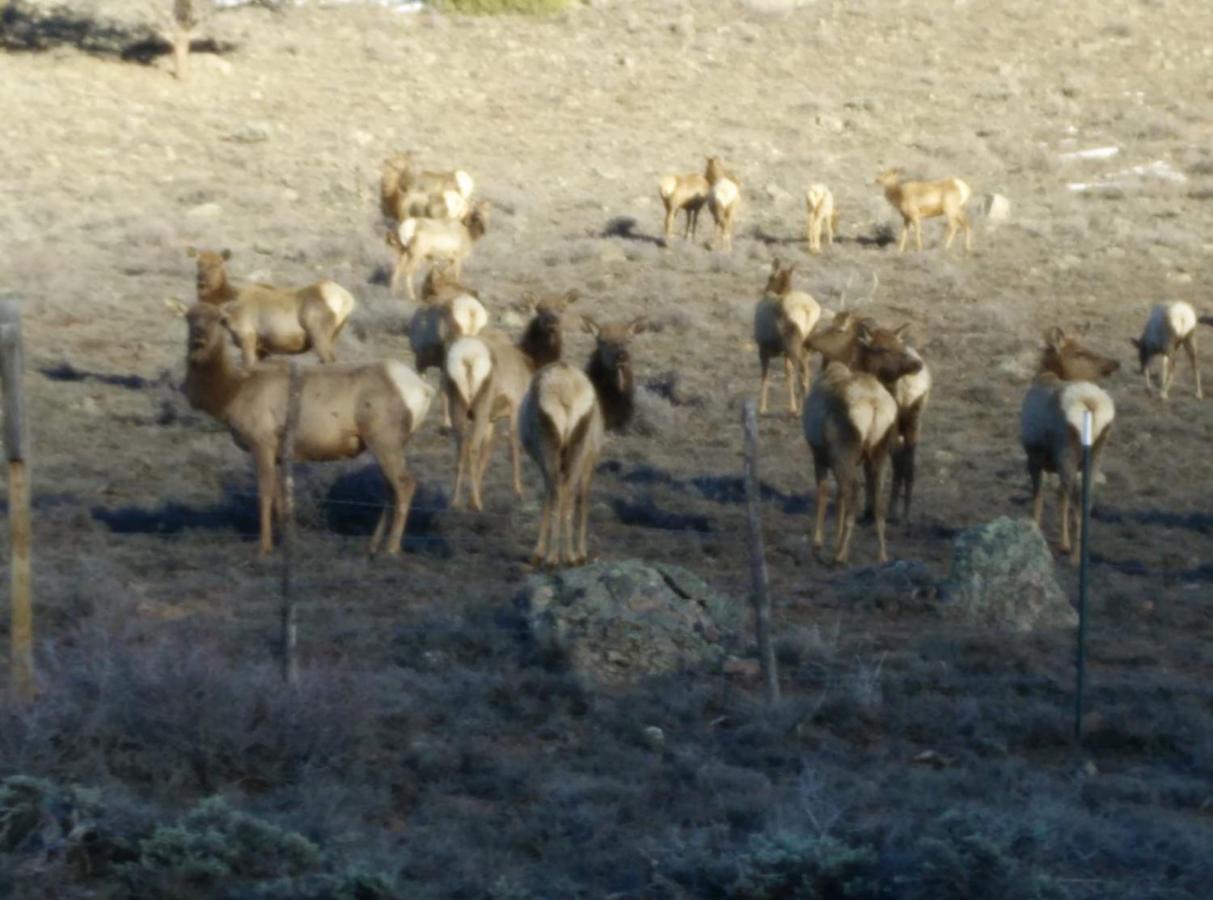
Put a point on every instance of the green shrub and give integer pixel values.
(799, 865)
(497, 7)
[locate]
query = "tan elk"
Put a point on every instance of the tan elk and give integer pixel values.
(263, 319)
(486, 377)
(687, 193)
(918, 200)
(343, 411)
(819, 203)
(783, 321)
(864, 346)
(406, 193)
(438, 240)
(1050, 424)
(563, 418)
(724, 197)
(448, 311)
(1169, 327)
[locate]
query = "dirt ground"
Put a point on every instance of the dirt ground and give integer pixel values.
(272, 148)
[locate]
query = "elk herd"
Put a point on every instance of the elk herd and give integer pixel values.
(862, 414)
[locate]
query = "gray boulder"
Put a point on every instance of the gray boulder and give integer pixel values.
(616, 622)
(1003, 575)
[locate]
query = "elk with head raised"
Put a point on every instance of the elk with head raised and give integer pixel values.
(724, 197)
(563, 417)
(783, 321)
(343, 410)
(263, 319)
(485, 378)
(1050, 424)
(918, 200)
(1169, 327)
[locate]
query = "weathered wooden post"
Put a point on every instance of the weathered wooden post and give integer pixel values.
(290, 668)
(760, 596)
(15, 448)
(1083, 556)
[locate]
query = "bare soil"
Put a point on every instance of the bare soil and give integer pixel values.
(272, 148)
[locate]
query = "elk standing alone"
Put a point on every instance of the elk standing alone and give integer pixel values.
(1170, 326)
(1050, 424)
(819, 202)
(343, 410)
(918, 200)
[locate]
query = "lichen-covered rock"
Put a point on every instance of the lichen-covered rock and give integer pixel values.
(619, 621)
(1003, 575)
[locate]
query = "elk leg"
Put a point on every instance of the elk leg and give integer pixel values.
(765, 362)
(869, 492)
(906, 456)
(267, 489)
(1064, 502)
(248, 348)
(320, 337)
(918, 234)
(964, 220)
(791, 377)
(881, 510)
(516, 454)
(820, 473)
(1166, 376)
(905, 233)
(463, 441)
(848, 499)
(478, 459)
(1038, 498)
(670, 213)
(1149, 382)
(583, 498)
(1190, 348)
(545, 518)
(829, 232)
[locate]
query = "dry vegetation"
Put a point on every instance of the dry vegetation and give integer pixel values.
(427, 751)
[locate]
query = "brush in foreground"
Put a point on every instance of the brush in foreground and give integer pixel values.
(263, 319)
(783, 321)
(1050, 425)
(1169, 327)
(918, 200)
(343, 411)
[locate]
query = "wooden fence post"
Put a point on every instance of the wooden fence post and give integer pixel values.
(15, 448)
(761, 596)
(290, 667)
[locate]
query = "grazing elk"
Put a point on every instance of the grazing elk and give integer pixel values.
(563, 417)
(343, 410)
(1050, 424)
(819, 202)
(783, 321)
(724, 196)
(448, 311)
(862, 345)
(486, 377)
(418, 240)
(683, 192)
(263, 319)
(1169, 327)
(848, 424)
(918, 200)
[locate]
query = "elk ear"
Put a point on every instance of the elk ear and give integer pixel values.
(177, 307)
(590, 326)
(638, 325)
(226, 254)
(1055, 337)
(191, 252)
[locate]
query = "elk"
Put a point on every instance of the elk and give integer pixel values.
(819, 202)
(687, 193)
(783, 321)
(1050, 424)
(448, 311)
(918, 200)
(848, 423)
(404, 193)
(724, 196)
(485, 378)
(263, 319)
(418, 240)
(862, 345)
(343, 410)
(1169, 327)
(563, 418)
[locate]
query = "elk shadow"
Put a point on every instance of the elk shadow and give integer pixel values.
(760, 234)
(65, 371)
(625, 227)
(726, 490)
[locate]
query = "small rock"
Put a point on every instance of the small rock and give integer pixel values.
(996, 207)
(776, 193)
(361, 138)
(654, 737)
(611, 252)
(204, 211)
(830, 123)
(252, 133)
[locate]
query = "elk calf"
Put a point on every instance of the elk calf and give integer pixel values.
(486, 377)
(819, 202)
(1050, 425)
(687, 193)
(1169, 327)
(848, 424)
(263, 319)
(418, 240)
(563, 417)
(724, 196)
(783, 321)
(918, 200)
(343, 410)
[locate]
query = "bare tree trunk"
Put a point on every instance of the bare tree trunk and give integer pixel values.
(15, 446)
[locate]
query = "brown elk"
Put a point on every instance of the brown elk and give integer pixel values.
(783, 321)
(918, 200)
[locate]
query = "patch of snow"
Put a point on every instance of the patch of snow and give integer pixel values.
(1093, 153)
